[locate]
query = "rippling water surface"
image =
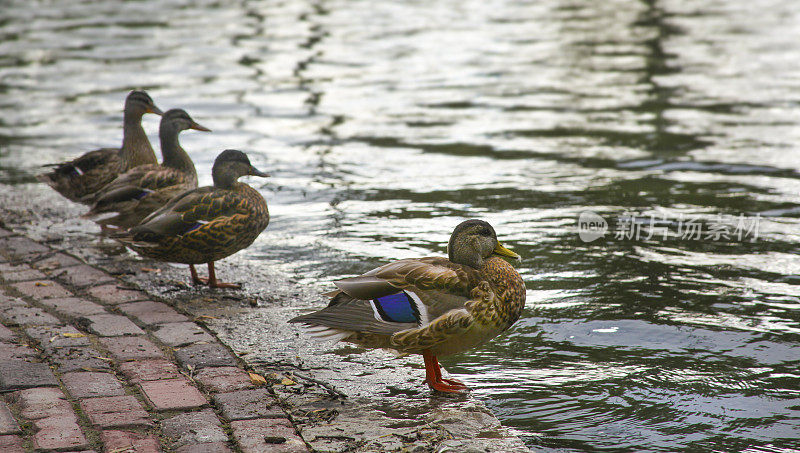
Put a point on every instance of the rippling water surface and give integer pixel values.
(384, 124)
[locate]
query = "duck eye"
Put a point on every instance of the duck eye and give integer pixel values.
(486, 232)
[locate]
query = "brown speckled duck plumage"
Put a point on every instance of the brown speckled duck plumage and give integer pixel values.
(87, 174)
(134, 195)
(429, 306)
(205, 224)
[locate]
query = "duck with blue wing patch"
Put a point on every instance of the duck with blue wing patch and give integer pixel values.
(429, 306)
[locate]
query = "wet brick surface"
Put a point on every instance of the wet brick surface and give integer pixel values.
(18, 374)
(27, 316)
(172, 394)
(177, 334)
(204, 355)
(83, 275)
(194, 428)
(210, 447)
(112, 294)
(74, 307)
(223, 379)
(55, 261)
(130, 442)
(107, 325)
(58, 433)
(149, 370)
(41, 402)
(92, 384)
(77, 358)
(20, 247)
(22, 275)
(246, 404)
(11, 444)
(131, 348)
(152, 313)
(8, 425)
(116, 412)
(267, 435)
(41, 289)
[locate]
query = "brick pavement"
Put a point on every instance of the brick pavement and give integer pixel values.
(87, 364)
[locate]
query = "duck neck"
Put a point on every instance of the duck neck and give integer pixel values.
(136, 149)
(173, 154)
(224, 179)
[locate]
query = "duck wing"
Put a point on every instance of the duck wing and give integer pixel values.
(83, 175)
(130, 188)
(401, 295)
(201, 208)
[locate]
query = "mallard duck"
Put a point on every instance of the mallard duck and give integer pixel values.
(430, 306)
(205, 224)
(88, 173)
(133, 195)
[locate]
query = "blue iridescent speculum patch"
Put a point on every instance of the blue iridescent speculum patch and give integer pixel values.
(397, 308)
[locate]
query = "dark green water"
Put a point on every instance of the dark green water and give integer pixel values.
(386, 124)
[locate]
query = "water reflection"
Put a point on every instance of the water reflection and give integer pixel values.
(384, 124)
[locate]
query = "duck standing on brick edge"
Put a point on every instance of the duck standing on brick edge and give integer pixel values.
(205, 224)
(430, 306)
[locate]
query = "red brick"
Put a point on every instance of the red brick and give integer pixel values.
(149, 370)
(113, 295)
(54, 262)
(20, 247)
(191, 428)
(256, 436)
(28, 316)
(129, 442)
(131, 348)
(6, 334)
(78, 358)
(89, 385)
(150, 313)
(83, 275)
(7, 423)
(23, 275)
(58, 433)
(14, 351)
(74, 307)
(12, 267)
(208, 447)
(7, 301)
(20, 374)
(41, 402)
(246, 404)
(11, 444)
(116, 412)
(57, 336)
(107, 325)
(204, 355)
(172, 394)
(181, 333)
(41, 289)
(223, 379)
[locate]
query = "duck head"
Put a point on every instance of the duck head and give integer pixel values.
(232, 164)
(138, 103)
(473, 241)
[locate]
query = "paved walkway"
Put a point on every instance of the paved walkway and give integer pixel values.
(89, 365)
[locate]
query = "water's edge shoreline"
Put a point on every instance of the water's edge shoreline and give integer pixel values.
(335, 401)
